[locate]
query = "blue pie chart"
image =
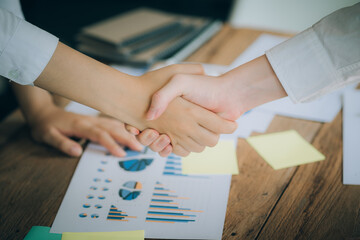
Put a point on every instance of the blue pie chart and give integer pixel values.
(130, 190)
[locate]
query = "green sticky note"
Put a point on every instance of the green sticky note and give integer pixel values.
(41, 233)
(285, 149)
(220, 159)
(128, 235)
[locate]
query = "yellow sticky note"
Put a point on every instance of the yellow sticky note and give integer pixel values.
(128, 235)
(285, 149)
(220, 159)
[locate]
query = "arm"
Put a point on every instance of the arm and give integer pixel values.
(126, 98)
(52, 125)
(30, 54)
(318, 60)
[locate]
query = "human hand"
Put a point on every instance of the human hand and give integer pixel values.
(160, 143)
(54, 126)
(230, 95)
(189, 127)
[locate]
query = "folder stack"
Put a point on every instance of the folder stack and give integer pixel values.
(144, 36)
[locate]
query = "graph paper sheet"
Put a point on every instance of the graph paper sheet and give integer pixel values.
(142, 192)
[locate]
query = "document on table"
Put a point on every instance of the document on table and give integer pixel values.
(323, 109)
(351, 137)
(142, 191)
(285, 149)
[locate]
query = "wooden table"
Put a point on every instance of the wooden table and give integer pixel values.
(305, 202)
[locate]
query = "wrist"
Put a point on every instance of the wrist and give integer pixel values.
(127, 99)
(254, 83)
(35, 115)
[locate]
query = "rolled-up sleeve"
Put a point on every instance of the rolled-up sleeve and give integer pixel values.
(322, 58)
(25, 49)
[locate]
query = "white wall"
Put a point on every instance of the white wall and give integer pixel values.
(289, 16)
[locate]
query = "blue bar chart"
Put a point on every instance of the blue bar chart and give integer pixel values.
(165, 208)
(118, 215)
(173, 166)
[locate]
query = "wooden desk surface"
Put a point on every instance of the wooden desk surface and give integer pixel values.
(305, 202)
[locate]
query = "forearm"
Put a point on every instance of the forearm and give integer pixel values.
(253, 83)
(85, 80)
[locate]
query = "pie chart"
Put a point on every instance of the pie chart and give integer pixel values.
(130, 190)
(135, 165)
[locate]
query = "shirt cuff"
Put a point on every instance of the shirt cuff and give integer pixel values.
(303, 67)
(27, 53)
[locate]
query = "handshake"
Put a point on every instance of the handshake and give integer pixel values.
(173, 109)
(179, 120)
(191, 110)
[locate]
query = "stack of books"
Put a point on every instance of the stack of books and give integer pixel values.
(144, 36)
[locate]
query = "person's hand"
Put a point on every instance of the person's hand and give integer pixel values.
(189, 126)
(160, 143)
(209, 92)
(230, 95)
(54, 126)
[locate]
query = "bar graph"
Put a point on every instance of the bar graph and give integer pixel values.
(173, 166)
(118, 215)
(165, 208)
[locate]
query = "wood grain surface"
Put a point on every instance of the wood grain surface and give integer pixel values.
(305, 202)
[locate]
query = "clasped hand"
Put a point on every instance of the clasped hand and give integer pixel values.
(190, 127)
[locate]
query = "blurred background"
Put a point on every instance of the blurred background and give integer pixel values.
(65, 18)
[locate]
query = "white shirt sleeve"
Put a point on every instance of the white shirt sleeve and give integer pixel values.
(322, 58)
(25, 49)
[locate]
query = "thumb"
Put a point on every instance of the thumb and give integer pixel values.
(161, 99)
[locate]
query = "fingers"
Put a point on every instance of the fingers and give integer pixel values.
(180, 150)
(127, 140)
(56, 139)
(105, 139)
(166, 151)
(156, 142)
(215, 123)
(161, 99)
(147, 136)
(192, 146)
(176, 87)
(96, 134)
(132, 130)
(160, 143)
(206, 137)
(117, 131)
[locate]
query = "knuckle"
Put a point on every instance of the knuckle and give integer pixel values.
(78, 122)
